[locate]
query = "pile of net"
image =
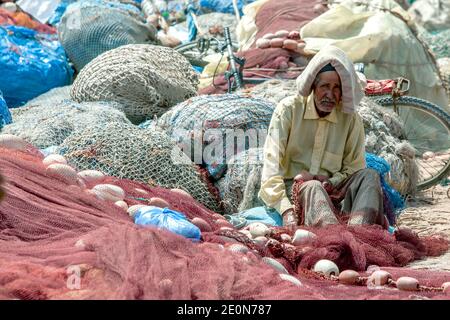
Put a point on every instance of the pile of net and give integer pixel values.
(50, 124)
(145, 79)
(444, 68)
(91, 27)
(122, 150)
(59, 241)
(437, 41)
(212, 129)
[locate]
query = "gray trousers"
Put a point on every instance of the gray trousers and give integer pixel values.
(357, 200)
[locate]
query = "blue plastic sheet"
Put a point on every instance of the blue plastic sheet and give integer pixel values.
(31, 63)
(5, 115)
(224, 6)
(266, 215)
(171, 220)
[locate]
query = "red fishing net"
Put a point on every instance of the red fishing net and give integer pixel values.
(60, 242)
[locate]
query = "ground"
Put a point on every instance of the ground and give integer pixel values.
(429, 214)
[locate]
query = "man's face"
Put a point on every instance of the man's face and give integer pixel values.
(327, 91)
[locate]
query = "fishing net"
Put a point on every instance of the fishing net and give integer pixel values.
(273, 90)
(59, 242)
(125, 151)
(444, 68)
(213, 24)
(214, 128)
(50, 124)
(145, 79)
(438, 42)
(91, 27)
(383, 131)
(240, 186)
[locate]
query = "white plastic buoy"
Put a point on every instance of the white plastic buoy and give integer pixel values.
(302, 236)
(275, 264)
(291, 279)
(446, 287)
(121, 204)
(326, 267)
(11, 141)
(260, 240)
(258, 229)
(379, 278)
(109, 192)
(285, 237)
(54, 158)
(235, 247)
(348, 277)
(91, 176)
(158, 202)
(407, 284)
(134, 209)
(62, 172)
(181, 192)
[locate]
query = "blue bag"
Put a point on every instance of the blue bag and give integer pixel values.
(171, 220)
(5, 115)
(266, 215)
(31, 63)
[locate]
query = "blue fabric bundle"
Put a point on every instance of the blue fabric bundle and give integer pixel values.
(5, 115)
(393, 203)
(31, 63)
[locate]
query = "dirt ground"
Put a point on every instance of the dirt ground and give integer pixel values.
(429, 214)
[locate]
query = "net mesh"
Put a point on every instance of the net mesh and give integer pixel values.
(125, 151)
(240, 186)
(91, 27)
(45, 125)
(236, 122)
(145, 79)
(60, 242)
(212, 24)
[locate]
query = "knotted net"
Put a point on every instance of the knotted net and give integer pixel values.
(145, 79)
(59, 242)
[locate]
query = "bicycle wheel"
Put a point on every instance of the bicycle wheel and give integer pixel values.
(196, 56)
(427, 128)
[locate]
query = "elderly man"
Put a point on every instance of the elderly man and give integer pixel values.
(317, 139)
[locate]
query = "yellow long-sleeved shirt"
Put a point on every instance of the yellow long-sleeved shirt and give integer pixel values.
(298, 139)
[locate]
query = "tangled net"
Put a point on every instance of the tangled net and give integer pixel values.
(124, 151)
(213, 24)
(50, 232)
(50, 124)
(208, 122)
(240, 186)
(145, 79)
(383, 131)
(91, 27)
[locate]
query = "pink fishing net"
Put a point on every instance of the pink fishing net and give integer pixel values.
(61, 242)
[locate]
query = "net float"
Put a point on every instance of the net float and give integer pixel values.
(263, 43)
(91, 176)
(285, 237)
(302, 236)
(110, 192)
(294, 35)
(326, 267)
(407, 284)
(291, 279)
(121, 204)
(290, 44)
(54, 158)
(247, 233)
(268, 36)
(379, 278)
(348, 277)
(134, 209)
(181, 192)
(11, 141)
(275, 264)
(276, 42)
(62, 172)
(282, 33)
(158, 202)
(258, 229)
(235, 247)
(446, 287)
(260, 240)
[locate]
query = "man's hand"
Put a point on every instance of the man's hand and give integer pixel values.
(289, 218)
(303, 176)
